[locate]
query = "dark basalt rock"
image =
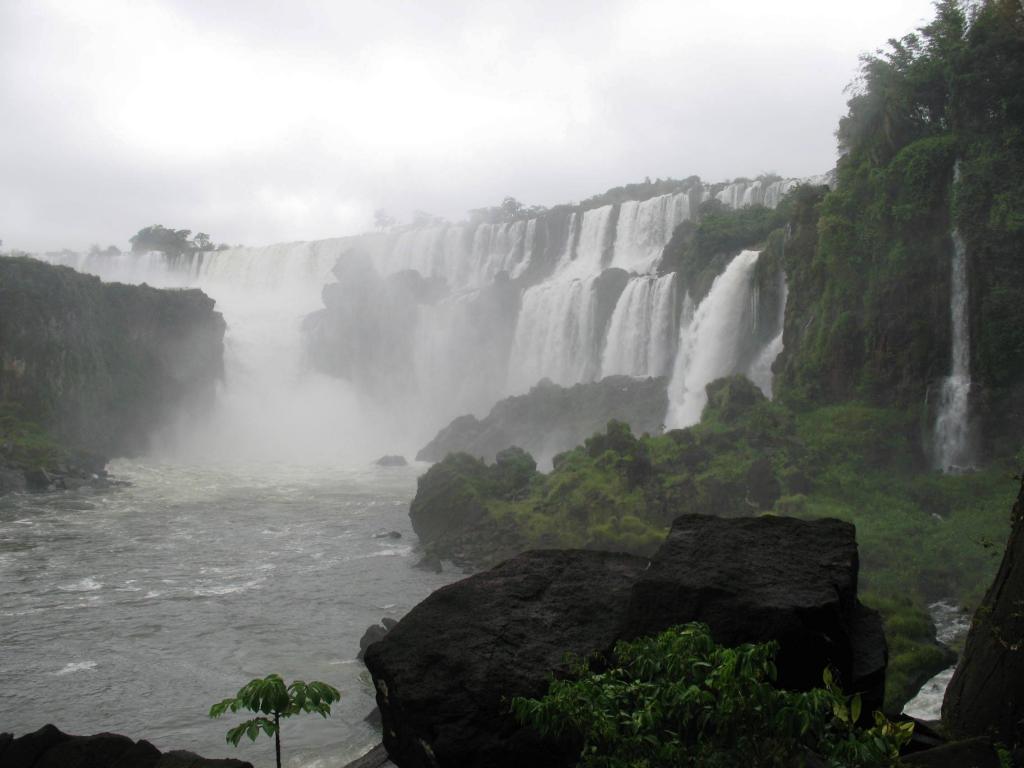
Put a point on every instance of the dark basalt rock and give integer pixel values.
(391, 460)
(769, 578)
(972, 753)
(550, 419)
(374, 633)
(51, 748)
(375, 758)
(445, 673)
(986, 695)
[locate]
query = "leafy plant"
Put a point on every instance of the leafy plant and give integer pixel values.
(679, 699)
(274, 701)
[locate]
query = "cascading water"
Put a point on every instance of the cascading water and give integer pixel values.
(760, 371)
(952, 438)
(643, 229)
(642, 332)
(709, 345)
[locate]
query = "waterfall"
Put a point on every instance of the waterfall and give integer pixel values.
(709, 345)
(414, 327)
(952, 443)
(645, 227)
(760, 371)
(555, 335)
(642, 331)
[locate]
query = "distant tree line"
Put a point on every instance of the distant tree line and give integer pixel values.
(172, 242)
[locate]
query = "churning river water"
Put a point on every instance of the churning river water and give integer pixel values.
(133, 609)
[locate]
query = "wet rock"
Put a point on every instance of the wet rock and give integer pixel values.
(986, 695)
(445, 673)
(38, 479)
(769, 578)
(375, 758)
(973, 753)
(388, 535)
(51, 748)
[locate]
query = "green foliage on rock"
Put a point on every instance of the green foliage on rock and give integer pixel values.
(868, 263)
(701, 248)
(272, 701)
(922, 535)
(679, 699)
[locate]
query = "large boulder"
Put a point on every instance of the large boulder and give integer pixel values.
(986, 695)
(49, 747)
(769, 578)
(446, 672)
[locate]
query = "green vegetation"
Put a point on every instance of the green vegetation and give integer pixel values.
(274, 701)
(678, 699)
(172, 242)
(701, 248)
(26, 445)
(868, 263)
(922, 535)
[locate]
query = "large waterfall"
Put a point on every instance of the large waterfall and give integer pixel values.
(709, 345)
(363, 345)
(952, 438)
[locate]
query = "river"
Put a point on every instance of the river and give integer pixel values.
(133, 609)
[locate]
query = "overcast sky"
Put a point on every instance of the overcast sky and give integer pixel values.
(260, 121)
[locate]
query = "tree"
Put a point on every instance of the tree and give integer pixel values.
(273, 701)
(202, 242)
(172, 242)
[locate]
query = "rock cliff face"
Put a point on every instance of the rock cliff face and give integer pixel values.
(986, 694)
(551, 419)
(445, 673)
(100, 365)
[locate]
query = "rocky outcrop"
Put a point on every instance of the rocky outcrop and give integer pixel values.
(550, 419)
(100, 365)
(449, 513)
(445, 673)
(986, 695)
(49, 747)
(779, 578)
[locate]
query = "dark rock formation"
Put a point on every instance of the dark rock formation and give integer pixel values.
(51, 748)
(391, 460)
(769, 578)
(445, 673)
(100, 365)
(375, 758)
(986, 695)
(551, 419)
(374, 633)
(973, 753)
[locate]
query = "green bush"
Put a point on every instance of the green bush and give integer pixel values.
(679, 699)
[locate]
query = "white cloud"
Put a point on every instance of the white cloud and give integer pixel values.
(258, 121)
